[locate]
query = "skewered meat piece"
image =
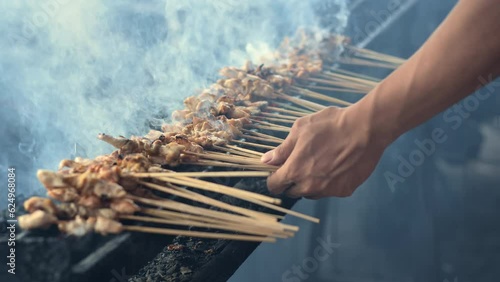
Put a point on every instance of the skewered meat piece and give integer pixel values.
(51, 180)
(74, 167)
(67, 210)
(77, 227)
(171, 153)
(124, 206)
(154, 148)
(153, 134)
(206, 95)
(108, 189)
(90, 201)
(115, 142)
(107, 226)
(239, 112)
(136, 162)
(171, 128)
(204, 107)
(67, 194)
(191, 103)
(107, 213)
(109, 173)
(37, 219)
(39, 203)
(181, 115)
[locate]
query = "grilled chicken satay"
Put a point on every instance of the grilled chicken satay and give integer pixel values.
(36, 220)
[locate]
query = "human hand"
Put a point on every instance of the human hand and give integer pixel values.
(329, 153)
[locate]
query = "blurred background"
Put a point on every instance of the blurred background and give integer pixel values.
(72, 69)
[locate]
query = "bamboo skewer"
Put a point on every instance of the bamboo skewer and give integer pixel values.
(268, 140)
(339, 83)
(266, 123)
(203, 212)
(170, 215)
(320, 96)
(202, 174)
(261, 135)
(272, 128)
(375, 54)
(205, 200)
(227, 227)
(195, 183)
(291, 112)
(229, 159)
(219, 188)
(231, 165)
(245, 150)
(292, 107)
(245, 157)
(353, 74)
(268, 147)
(326, 88)
(208, 235)
(265, 115)
(306, 104)
(350, 78)
(361, 62)
(288, 121)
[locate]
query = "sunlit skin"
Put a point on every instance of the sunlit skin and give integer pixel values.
(332, 152)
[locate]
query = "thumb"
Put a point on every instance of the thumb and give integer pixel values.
(279, 155)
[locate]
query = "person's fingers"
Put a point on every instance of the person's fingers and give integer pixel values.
(279, 180)
(297, 190)
(279, 155)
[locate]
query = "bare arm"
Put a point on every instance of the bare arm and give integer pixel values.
(332, 152)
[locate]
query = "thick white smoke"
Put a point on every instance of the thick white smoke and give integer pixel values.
(72, 69)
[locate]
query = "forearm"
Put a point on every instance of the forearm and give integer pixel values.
(446, 69)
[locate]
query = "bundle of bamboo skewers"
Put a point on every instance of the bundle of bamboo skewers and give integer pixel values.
(230, 124)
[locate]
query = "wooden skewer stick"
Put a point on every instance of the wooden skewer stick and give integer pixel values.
(205, 200)
(268, 147)
(231, 165)
(320, 96)
(244, 150)
(222, 189)
(200, 184)
(351, 78)
(275, 119)
(227, 227)
(227, 154)
(353, 74)
(229, 159)
(292, 112)
(272, 128)
(361, 62)
(391, 58)
(292, 107)
(326, 88)
(203, 174)
(271, 125)
(259, 134)
(306, 104)
(291, 118)
(227, 150)
(203, 213)
(268, 140)
(330, 81)
(176, 215)
(199, 234)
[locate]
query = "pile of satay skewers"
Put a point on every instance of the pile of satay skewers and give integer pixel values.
(230, 124)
